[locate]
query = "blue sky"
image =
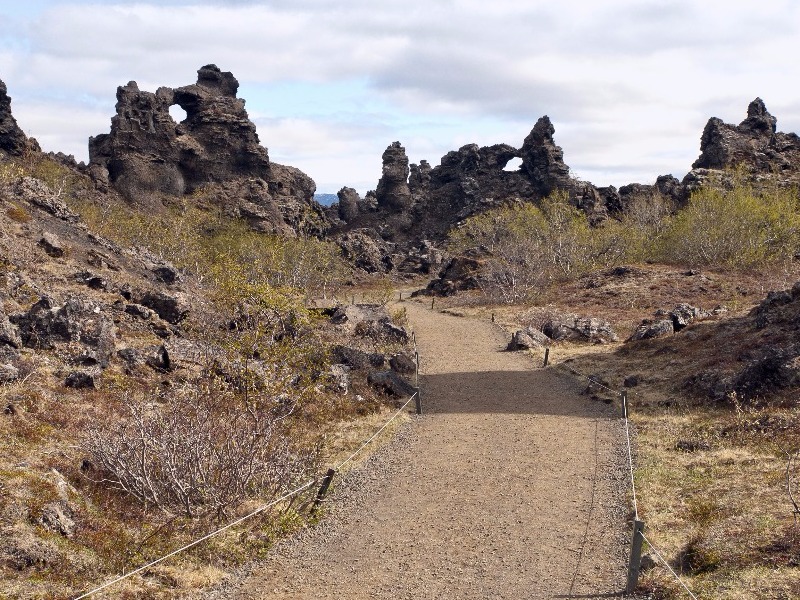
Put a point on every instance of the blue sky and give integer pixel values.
(629, 84)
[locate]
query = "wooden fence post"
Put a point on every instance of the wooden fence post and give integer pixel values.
(416, 382)
(323, 489)
(636, 557)
(432, 301)
(546, 356)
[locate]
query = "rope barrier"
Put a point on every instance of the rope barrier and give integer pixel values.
(257, 511)
(666, 564)
(198, 541)
(377, 433)
(630, 464)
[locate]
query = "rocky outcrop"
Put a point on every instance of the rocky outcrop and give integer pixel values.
(754, 144)
(668, 322)
(572, 328)
(216, 149)
(12, 139)
(543, 160)
(365, 249)
(393, 192)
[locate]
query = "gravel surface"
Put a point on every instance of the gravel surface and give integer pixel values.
(511, 486)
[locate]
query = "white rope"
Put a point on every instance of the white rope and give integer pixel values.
(250, 515)
(202, 539)
(630, 463)
(377, 433)
(666, 564)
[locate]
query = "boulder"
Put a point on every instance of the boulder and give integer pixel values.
(80, 380)
(8, 373)
(37, 192)
(366, 250)
(58, 518)
(77, 320)
(527, 339)
(173, 308)
(391, 383)
(356, 359)
(403, 364)
(652, 329)
(683, 314)
(9, 334)
(579, 329)
(340, 377)
(52, 245)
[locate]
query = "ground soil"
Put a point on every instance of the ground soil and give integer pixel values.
(512, 485)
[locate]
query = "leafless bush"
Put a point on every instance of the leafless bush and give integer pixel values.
(202, 450)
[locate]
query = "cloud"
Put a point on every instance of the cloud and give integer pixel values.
(629, 84)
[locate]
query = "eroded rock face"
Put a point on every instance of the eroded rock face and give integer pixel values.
(216, 148)
(543, 160)
(755, 143)
(12, 139)
(393, 191)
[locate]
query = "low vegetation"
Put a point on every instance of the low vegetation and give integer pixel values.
(739, 227)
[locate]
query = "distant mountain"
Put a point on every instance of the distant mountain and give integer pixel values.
(326, 199)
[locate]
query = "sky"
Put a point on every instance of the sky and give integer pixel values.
(628, 84)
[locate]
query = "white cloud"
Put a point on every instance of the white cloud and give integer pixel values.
(629, 84)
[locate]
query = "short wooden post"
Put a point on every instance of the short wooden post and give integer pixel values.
(432, 302)
(546, 356)
(492, 317)
(624, 397)
(354, 299)
(416, 369)
(418, 402)
(636, 557)
(323, 489)
(401, 296)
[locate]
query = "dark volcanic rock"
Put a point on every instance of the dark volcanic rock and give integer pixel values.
(366, 250)
(147, 154)
(393, 191)
(543, 160)
(172, 308)
(12, 139)
(579, 329)
(652, 329)
(349, 201)
(754, 144)
(80, 321)
(391, 383)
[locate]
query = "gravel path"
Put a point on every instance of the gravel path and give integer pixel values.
(511, 486)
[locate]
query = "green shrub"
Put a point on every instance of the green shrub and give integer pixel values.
(740, 227)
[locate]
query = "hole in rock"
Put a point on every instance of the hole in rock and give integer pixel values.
(513, 165)
(177, 113)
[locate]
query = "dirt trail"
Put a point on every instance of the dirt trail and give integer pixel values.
(509, 487)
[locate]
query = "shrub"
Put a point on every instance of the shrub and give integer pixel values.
(533, 246)
(740, 227)
(203, 450)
